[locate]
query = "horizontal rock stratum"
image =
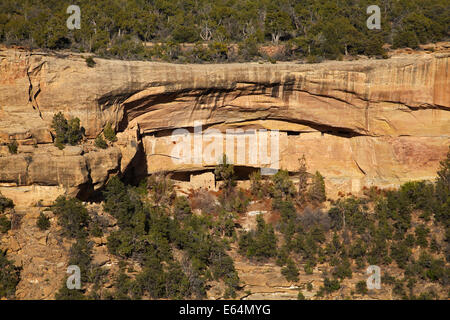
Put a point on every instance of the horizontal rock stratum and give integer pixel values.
(360, 123)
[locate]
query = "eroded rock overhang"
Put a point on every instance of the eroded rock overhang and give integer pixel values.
(360, 123)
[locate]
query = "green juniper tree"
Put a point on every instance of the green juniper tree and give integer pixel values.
(66, 131)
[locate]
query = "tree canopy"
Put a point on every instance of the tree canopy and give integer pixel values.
(324, 28)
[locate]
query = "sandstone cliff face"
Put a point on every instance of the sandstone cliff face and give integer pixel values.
(360, 123)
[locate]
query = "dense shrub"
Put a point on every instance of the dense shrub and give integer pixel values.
(182, 207)
(419, 194)
(225, 173)
(379, 251)
(261, 243)
(90, 62)
(9, 276)
(109, 133)
(442, 192)
(405, 39)
(258, 187)
(5, 203)
(100, 142)
(349, 213)
(72, 216)
(80, 255)
(358, 249)
(421, 233)
(330, 286)
(119, 202)
(65, 293)
(396, 206)
(361, 287)
(289, 219)
(399, 289)
(290, 272)
(238, 202)
(125, 287)
(400, 253)
(66, 131)
(430, 295)
(43, 222)
(283, 187)
(5, 224)
(343, 269)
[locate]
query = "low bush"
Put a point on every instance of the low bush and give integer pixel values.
(100, 142)
(5, 203)
(43, 222)
(109, 133)
(330, 286)
(12, 147)
(361, 287)
(90, 62)
(5, 224)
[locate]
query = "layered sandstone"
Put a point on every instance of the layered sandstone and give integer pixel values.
(360, 123)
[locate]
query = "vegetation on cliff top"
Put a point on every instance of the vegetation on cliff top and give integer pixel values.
(313, 28)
